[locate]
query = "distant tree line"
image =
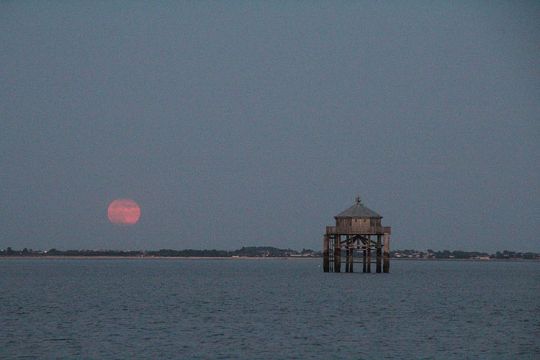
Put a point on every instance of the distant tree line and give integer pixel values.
(252, 251)
(459, 254)
(268, 251)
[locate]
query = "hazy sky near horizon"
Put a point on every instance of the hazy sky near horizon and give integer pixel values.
(254, 123)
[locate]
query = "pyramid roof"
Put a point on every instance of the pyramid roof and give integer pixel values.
(358, 210)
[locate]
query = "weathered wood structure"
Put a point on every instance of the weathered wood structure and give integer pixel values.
(357, 235)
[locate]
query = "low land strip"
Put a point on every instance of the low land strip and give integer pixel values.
(262, 252)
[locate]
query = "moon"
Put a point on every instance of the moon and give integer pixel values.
(124, 212)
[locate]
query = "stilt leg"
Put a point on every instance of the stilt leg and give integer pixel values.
(326, 257)
(331, 253)
(351, 247)
(364, 257)
(337, 254)
(379, 254)
(369, 255)
(347, 254)
(386, 253)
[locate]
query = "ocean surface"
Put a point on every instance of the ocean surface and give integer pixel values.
(267, 309)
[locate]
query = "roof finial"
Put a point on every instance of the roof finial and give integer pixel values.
(358, 201)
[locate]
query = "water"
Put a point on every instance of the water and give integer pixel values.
(267, 309)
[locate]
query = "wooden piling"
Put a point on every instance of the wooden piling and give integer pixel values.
(348, 261)
(386, 253)
(346, 256)
(369, 255)
(331, 254)
(364, 257)
(326, 255)
(351, 247)
(337, 254)
(379, 253)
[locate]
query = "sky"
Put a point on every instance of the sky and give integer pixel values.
(248, 123)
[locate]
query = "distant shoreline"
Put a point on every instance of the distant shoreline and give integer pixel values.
(259, 252)
(478, 260)
(85, 257)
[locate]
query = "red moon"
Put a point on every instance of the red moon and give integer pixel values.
(124, 212)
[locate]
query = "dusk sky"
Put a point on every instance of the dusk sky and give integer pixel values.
(253, 123)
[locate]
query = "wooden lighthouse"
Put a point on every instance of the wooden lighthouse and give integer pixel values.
(358, 234)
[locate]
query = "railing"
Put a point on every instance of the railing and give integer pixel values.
(351, 230)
